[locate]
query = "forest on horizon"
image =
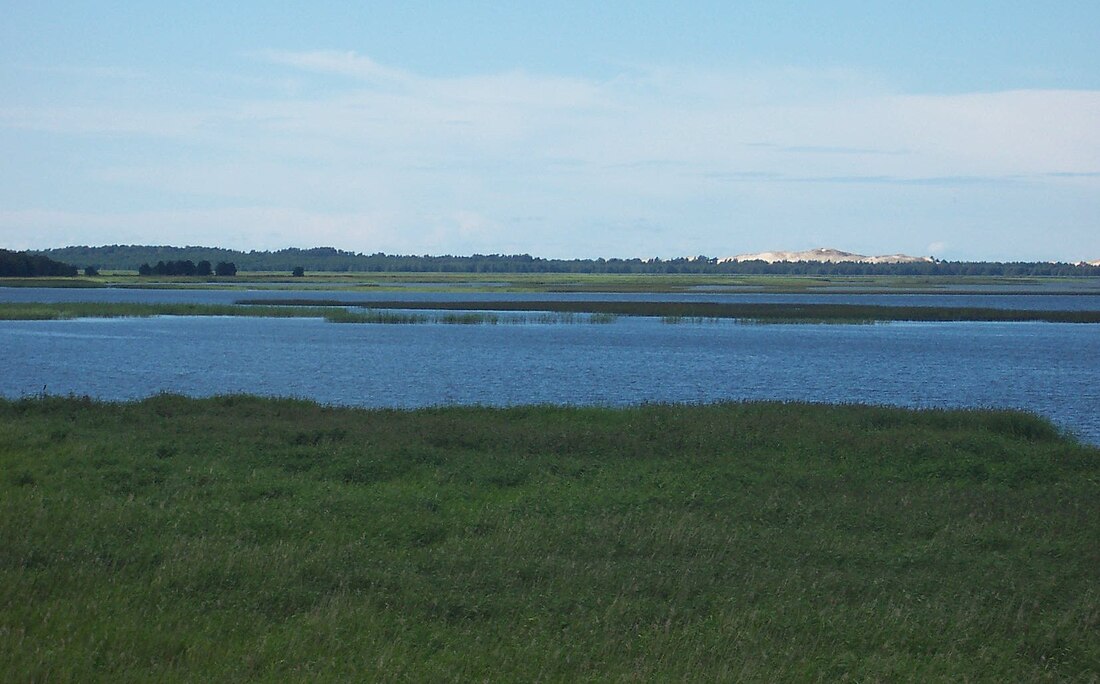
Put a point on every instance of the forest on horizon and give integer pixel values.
(329, 259)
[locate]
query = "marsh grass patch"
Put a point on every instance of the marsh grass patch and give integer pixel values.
(240, 538)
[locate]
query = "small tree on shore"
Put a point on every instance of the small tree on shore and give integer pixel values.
(298, 272)
(225, 268)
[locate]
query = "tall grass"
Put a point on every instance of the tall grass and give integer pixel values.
(700, 311)
(230, 538)
(474, 312)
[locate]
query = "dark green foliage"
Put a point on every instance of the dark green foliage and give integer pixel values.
(225, 268)
(26, 265)
(203, 269)
(91, 271)
(240, 538)
(170, 268)
(298, 272)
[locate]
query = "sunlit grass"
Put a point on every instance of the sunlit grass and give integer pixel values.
(235, 538)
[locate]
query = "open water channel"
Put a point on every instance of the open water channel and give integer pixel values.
(1047, 368)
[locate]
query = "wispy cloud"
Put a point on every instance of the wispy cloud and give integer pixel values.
(941, 181)
(1068, 174)
(348, 63)
(821, 149)
(384, 158)
(86, 71)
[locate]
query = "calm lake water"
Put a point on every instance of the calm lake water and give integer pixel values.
(1050, 369)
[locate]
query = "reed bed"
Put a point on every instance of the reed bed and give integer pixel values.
(690, 311)
(544, 312)
(331, 313)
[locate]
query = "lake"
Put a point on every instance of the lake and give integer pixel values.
(1051, 369)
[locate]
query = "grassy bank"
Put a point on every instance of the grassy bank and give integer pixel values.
(473, 312)
(693, 311)
(236, 537)
(584, 282)
(30, 311)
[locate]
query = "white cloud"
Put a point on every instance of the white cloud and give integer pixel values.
(705, 120)
(346, 63)
(385, 159)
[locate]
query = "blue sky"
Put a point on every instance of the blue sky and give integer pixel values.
(964, 130)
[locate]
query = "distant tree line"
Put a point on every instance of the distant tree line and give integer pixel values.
(186, 267)
(130, 257)
(26, 265)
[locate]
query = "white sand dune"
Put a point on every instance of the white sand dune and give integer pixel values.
(827, 254)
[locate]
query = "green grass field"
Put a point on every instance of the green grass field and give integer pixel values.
(583, 282)
(241, 538)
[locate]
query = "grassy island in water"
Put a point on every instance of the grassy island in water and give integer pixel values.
(492, 312)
